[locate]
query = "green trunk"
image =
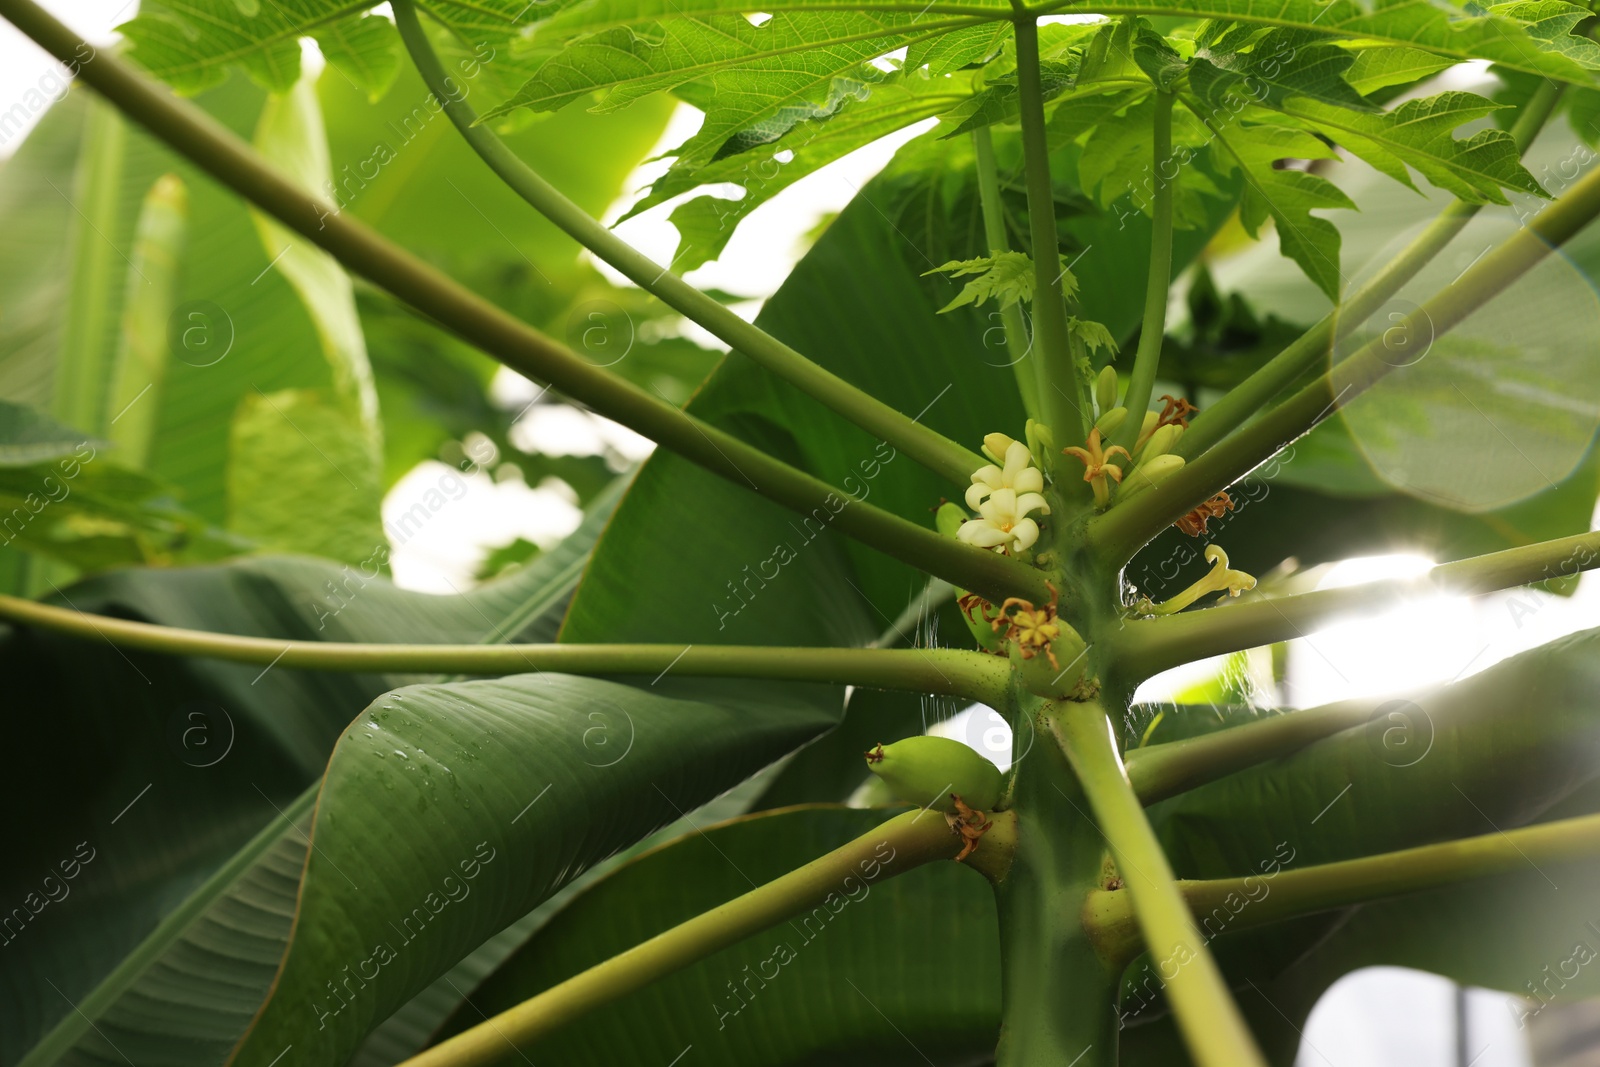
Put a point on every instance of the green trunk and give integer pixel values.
(1059, 995)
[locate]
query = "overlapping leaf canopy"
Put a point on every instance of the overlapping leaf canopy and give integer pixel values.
(806, 81)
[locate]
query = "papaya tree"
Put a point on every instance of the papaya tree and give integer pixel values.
(1017, 431)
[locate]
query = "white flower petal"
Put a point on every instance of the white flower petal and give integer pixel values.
(1003, 502)
(1030, 502)
(990, 475)
(992, 539)
(1017, 457)
(1026, 532)
(975, 495)
(1028, 480)
(996, 445)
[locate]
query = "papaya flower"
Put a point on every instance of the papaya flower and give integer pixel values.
(1003, 523)
(1221, 578)
(1097, 465)
(1018, 474)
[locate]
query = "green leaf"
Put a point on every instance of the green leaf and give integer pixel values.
(1552, 23)
(1109, 56)
(1492, 752)
(860, 979)
(137, 984)
(192, 44)
(291, 134)
(664, 572)
(363, 48)
(1161, 63)
(998, 101)
(63, 497)
(97, 274)
(1497, 37)
(144, 353)
(388, 156)
(1280, 63)
(706, 223)
(1381, 68)
(286, 447)
(830, 768)
(228, 302)
(409, 1030)
(1119, 160)
(441, 794)
(973, 45)
(1286, 195)
(1080, 113)
(1007, 277)
(29, 437)
(626, 63)
(1093, 336)
(1420, 133)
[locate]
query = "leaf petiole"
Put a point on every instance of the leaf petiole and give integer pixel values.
(917, 441)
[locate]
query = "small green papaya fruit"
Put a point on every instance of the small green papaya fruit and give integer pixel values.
(1054, 673)
(948, 519)
(927, 770)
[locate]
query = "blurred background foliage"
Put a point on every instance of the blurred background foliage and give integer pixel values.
(244, 394)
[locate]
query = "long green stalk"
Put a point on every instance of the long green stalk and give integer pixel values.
(916, 838)
(1165, 770)
(1018, 344)
(1158, 286)
(1213, 1028)
(1120, 532)
(215, 149)
(1253, 394)
(1148, 646)
(917, 441)
(957, 672)
(1233, 904)
(1065, 398)
(1058, 996)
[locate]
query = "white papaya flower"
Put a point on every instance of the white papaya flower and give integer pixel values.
(1003, 522)
(1019, 474)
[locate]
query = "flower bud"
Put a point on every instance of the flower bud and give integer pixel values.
(995, 446)
(927, 770)
(1108, 423)
(1105, 389)
(1042, 445)
(1160, 443)
(1149, 473)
